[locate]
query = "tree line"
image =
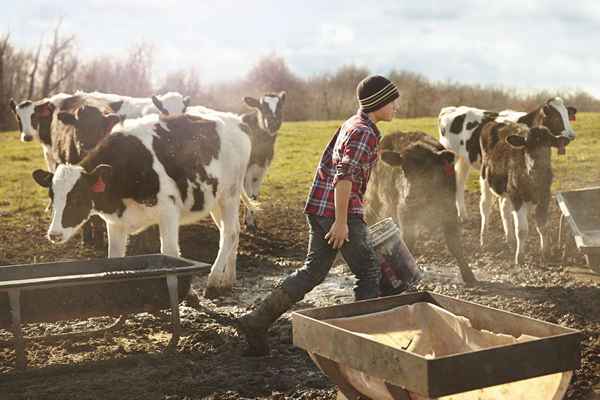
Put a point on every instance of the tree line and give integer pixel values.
(54, 66)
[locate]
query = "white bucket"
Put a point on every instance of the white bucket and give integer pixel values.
(399, 269)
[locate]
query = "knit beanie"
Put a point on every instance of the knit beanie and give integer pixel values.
(374, 92)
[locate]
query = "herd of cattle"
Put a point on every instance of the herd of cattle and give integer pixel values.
(136, 162)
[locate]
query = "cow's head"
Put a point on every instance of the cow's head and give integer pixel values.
(428, 170)
(558, 116)
(537, 144)
(72, 191)
(31, 116)
(90, 125)
(270, 110)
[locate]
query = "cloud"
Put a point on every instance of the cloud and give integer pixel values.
(535, 44)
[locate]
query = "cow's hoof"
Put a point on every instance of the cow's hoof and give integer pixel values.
(468, 277)
(212, 292)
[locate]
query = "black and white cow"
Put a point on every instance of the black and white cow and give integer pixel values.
(516, 167)
(460, 128)
(164, 170)
(263, 123)
(134, 107)
(34, 120)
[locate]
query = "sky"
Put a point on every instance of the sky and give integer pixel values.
(525, 45)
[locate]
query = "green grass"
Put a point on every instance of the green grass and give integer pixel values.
(300, 144)
(298, 149)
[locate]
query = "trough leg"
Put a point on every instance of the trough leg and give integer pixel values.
(560, 231)
(174, 300)
(15, 310)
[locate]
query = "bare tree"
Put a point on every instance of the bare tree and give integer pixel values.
(34, 68)
(61, 61)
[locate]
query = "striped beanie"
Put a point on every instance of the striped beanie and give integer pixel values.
(374, 92)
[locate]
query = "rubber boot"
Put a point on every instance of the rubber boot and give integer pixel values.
(255, 324)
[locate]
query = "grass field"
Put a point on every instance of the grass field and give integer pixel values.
(299, 147)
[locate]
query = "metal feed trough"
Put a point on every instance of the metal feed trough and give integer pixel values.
(91, 288)
(425, 345)
(581, 209)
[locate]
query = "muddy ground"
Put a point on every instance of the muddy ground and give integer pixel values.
(130, 363)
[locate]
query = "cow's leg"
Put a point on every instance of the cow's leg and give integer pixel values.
(452, 235)
(541, 218)
(485, 207)
(168, 225)
(222, 273)
(117, 240)
(506, 209)
(462, 170)
(250, 220)
(521, 231)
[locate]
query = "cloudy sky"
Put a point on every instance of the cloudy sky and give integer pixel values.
(525, 44)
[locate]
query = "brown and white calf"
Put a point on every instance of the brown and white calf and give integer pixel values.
(460, 128)
(263, 123)
(157, 170)
(420, 193)
(516, 167)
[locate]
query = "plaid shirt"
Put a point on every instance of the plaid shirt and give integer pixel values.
(350, 155)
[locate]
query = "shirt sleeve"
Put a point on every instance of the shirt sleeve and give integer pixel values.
(357, 149)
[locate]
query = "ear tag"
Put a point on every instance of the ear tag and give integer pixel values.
(99, 186)
(448, 168)
(45, 112)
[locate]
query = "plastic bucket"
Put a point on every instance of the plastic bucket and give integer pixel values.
(399, 270)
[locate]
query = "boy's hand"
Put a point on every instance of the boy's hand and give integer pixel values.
(337, 235)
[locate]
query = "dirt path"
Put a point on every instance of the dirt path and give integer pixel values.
(130, 363)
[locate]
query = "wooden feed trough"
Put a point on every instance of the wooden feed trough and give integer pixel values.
(426, 345)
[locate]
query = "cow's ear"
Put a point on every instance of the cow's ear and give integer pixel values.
(13, 106)
(516, 141)
(110, 120)
(42, 178)
(100, 178)
(282, 95)
(392, 158)
(116, 105)
(538, 119)
(44, 109)
(67, 118)
(252, 102)
(446, 155)
(187, 100)
(572, 111)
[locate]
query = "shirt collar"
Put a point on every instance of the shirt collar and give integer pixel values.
(364, 117)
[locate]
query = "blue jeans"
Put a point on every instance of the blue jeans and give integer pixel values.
(358, 253)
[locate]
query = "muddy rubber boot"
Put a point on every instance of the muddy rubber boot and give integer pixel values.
(255, 324)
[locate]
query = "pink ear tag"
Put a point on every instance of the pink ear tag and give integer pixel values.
(99, 186)
(448, 168)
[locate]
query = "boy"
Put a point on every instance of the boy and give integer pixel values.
(334, 210)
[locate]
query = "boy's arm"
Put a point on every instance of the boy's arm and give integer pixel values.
(357, 150)
(338, 233)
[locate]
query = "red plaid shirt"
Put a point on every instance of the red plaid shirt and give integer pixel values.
(350, 155)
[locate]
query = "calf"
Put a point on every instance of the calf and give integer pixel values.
(516, 167)
(460, 128)
(263, 124)
(34, 120)
(422, 192)
(167, 170)
(134, 107)
(78, 126)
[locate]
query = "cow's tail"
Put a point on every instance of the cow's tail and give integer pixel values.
(250, 204)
